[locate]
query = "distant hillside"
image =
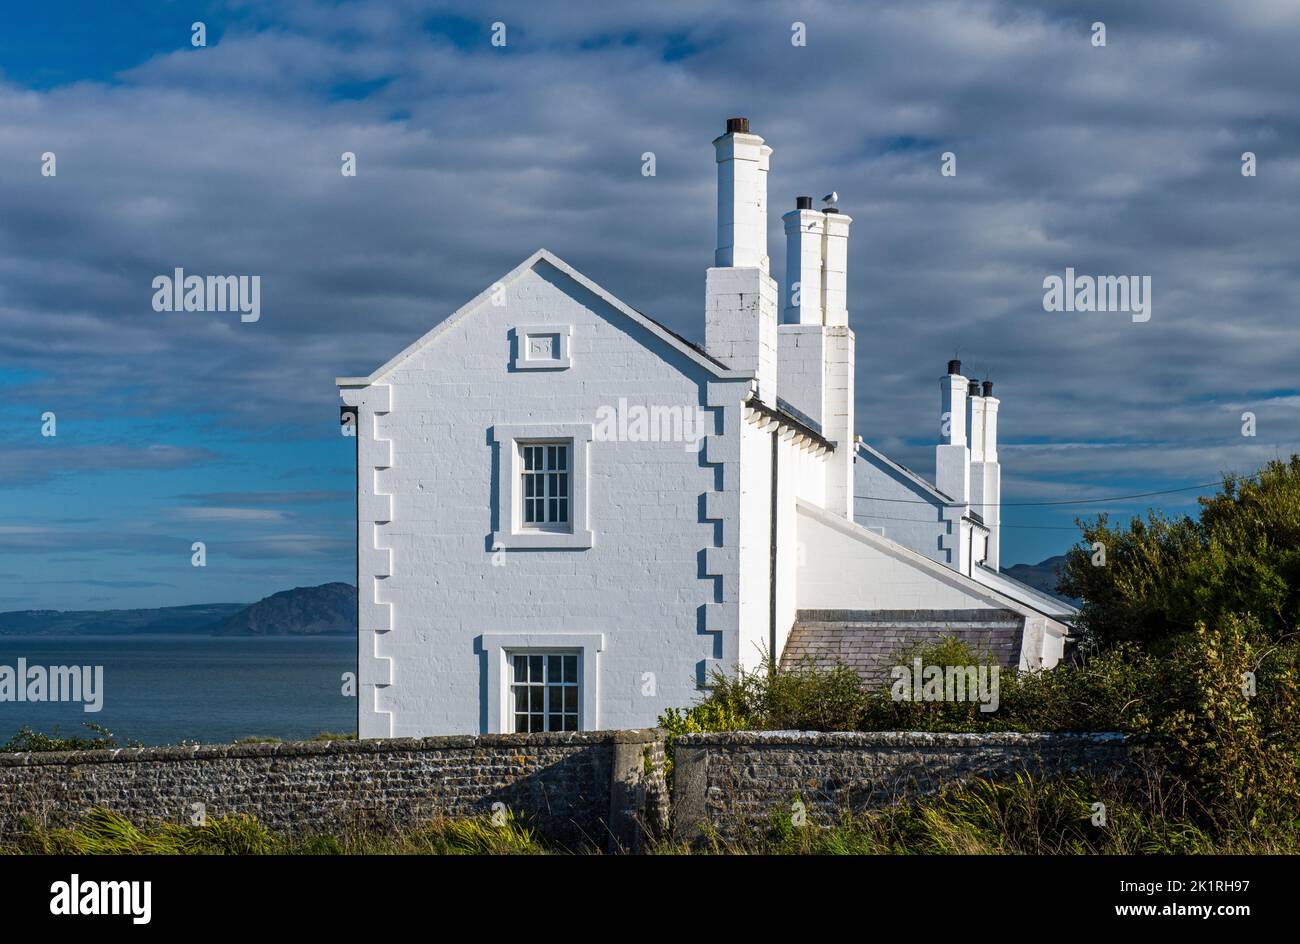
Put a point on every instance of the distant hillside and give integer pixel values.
(167, 619)
(330, 609)
(1041, 576)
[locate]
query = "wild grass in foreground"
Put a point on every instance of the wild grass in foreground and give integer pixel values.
(103, 832)
(1025, 816)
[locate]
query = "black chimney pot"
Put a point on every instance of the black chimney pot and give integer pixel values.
(954, 367)
(803, 203)
(737, 126)
(988, 388)
(973, 389)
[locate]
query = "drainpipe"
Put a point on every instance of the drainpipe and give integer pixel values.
(772, 655)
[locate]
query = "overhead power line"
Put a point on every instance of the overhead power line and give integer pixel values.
(1039, 527)
(1070, 501)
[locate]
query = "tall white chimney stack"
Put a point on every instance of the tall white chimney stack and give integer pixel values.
(952, 457)
(805, 235)
(836, 289)
(742, 197)
(740, 298)
(816, 345)
(974, 422)
(986, 473)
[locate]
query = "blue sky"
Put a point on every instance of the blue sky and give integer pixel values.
(175, 427)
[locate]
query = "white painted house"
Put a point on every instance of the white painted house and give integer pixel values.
(570, 517)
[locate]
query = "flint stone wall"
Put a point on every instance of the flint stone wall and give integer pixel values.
(602, 789)
(737, 780)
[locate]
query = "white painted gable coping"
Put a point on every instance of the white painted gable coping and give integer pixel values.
(903, 470)
(545, 255)
(1044, 602)
(940, 572)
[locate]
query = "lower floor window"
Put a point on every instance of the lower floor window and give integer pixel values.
(544, 689)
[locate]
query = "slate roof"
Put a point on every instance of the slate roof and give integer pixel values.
(868, 641)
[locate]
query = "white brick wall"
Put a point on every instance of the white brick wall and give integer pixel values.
(645, 583)
(374, 557)
(740, 321)
(801, 369)
(805, 231)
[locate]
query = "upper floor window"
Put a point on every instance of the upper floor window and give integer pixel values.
(541, 482)
(545, 484)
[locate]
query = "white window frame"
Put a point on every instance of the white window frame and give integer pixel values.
(541, 478)
(499, 647)
(512, 532)
(547, 686)
(562, 359)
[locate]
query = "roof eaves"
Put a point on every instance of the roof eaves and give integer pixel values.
(789, 419)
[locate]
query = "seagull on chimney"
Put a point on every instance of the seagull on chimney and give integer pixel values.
(831, 199)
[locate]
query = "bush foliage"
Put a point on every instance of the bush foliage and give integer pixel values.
(1162, 576)
(28, 741)
(1190, 640)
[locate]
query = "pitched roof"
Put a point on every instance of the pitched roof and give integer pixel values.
(871, 642)
(1045, 603)
(986, 589)
(672, 338)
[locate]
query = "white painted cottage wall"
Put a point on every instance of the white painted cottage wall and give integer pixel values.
(847, 567)
(801, 475)
(644, 582)
(888, 500)
(755, 535)
(374, 556)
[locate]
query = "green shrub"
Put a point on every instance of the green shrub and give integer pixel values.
(804, 698)
(1111, 691)
(1233, 757)
(27, 740)
(1163, 576)
(1239, 751)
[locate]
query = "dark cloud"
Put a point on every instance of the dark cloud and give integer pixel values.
(24, 538)
(271, 498)
(116, 584)
(29, 465)
(1118, 160)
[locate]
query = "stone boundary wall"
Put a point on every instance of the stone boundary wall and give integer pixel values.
(732, 781)
(602, 789)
